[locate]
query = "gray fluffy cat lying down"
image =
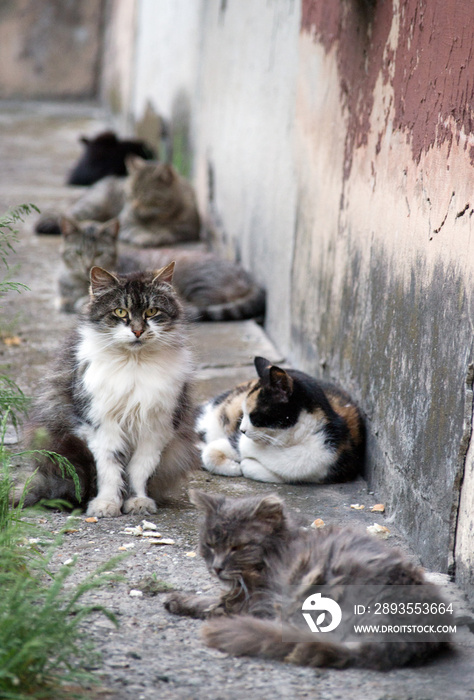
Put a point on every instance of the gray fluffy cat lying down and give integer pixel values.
(211, 288)
(156, 206)
(269, 565)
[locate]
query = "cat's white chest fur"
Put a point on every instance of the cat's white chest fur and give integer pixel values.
(135, 389)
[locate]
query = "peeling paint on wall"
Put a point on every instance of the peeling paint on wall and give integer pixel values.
(433, 99)
(385, 236)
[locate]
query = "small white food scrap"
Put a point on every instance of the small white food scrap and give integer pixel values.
(135, 531)
(134, 593)
(357, 506)
(128, 545)
(146, 525)
(162, 540)
(379, 531)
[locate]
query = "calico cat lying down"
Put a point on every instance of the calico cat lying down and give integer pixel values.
(117, 400)
(268, 565)
(284, 426)
(155, 205)
(211, 289)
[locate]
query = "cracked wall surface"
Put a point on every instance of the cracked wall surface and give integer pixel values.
(332, 152)
(390, 313)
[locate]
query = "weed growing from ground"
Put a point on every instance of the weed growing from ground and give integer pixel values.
(44, 650)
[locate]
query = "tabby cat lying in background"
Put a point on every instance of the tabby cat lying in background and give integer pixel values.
(105, 155)
(269, 564)
(155, 205)
(284, 426)
(117, 402)
(212, 289)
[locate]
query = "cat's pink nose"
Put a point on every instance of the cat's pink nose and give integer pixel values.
(137, 334)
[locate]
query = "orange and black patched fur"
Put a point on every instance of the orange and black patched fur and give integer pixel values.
(284, 426)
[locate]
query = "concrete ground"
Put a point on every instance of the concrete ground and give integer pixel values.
(153, 654)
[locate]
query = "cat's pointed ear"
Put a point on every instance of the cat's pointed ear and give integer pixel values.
(281, 383)
(111, 228)
(166, 173)
(165, 274)
(206, 502)
(68, 227)
(269, 509)
(274, 377)
(101, 280)
(262, 366)
(134, 163)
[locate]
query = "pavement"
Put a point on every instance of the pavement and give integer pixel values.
(154, 655)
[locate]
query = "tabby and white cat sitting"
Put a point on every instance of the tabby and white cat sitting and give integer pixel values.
(117, 402)
(211, 289)
(269, 565)
(284, 426)
(155, 205)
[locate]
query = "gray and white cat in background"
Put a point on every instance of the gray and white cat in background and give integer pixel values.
(156, 206)
(117, 403)
(212, 289)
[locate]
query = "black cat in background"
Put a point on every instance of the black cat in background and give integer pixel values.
(105, 155)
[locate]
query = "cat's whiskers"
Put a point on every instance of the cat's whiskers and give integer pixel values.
(238, 586)
(264, 438)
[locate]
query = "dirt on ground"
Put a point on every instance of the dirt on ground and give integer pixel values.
(153, 654)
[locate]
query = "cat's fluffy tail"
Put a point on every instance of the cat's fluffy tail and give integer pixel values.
(48, 481)
(252, 305)
(48, 224)
(250, 636)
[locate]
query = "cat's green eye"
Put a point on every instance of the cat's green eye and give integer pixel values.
(121, 313)
(238, 547)
(152, 311)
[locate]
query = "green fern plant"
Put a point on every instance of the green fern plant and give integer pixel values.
(43, 653)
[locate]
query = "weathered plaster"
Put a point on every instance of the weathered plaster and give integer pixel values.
(117, 75)
(50, 48)
(332, 146)
(244, 121)
(390, 312)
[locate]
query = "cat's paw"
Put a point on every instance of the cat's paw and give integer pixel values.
(101, 508)
(192, 605)
(219, 458)
(175, 603)
(140, 505)
(252, 469)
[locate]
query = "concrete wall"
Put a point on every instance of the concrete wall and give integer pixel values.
(118, 60)
(50, 48)
(333, 154)
(167, 62)
(386, 238)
